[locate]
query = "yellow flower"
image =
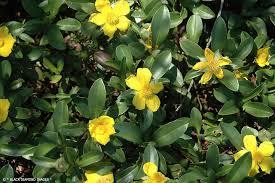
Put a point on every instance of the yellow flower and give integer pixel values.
(262, 57)
(111, 17)
(211, 64)
(145, 90)
(96, 178)
(6, 42)
(4, 109)
(240, 75)
(151, 170)
(261, 156)
(101, 129)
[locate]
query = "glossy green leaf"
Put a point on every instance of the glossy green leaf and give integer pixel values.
(203, 11)
(191, 49)
(218, 34)
(90, 158)
(69, 24)
(212, 157)
(55, 38)
(258, 109)
(232, 134)
(129, 131)
(161, 64)
(229, 80)
(229, 107)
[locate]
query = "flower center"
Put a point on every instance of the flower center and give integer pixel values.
(1, 43)
(213, 65)
(146, 91)
(112, 19)
(257, 156)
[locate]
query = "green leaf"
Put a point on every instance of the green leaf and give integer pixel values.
(115, 153)
(124, 54)
(5, 69)
(42, 105)
(31, 7)
(191, 49)
(160, 32)
(150, 154)
(14, 149)
(196, 119)
(244, 48)
(170, 132)
(191, 74)
(129, 131)
(254, 93)
(6, 173)
(194, 28)
(222, 94)
(60, 115)
(69, 24)
(39, 171)
(232, 134)
(212, 157)
(260, 27)
(90, 158)
(97, 98)
(230, 81)
(203, 11)
(240, 169)
(175, 76)
(258, 109)
(229, 108)
(72, 129)
(127, 175)
(161, 64)
(177, 17)
(55, 38)
(44, 161)
(218, 34)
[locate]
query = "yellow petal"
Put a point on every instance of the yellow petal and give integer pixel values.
(4, 109)
(250, 143)
(92, 177)
(144, 76)
(139, 101)
(109, 30)
(209, 55)
(156, 87)
(254, 169)
(224, 61)
(122, 7)
(150, 168)
(239, 154)
(206, 77)
(101, 4)
(4, 31)
(200, 65)
(153, 103)
(266, 164)
(219, 73)
(102, 139)
(158, 177)
(98, 18)
(95, 178)
(266, 148)
(107, 120)
(7, 42)
(262, 57)
(123, 23)
(133, 83)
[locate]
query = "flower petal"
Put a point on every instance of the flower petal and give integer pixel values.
(4, 109)
(266, 164)
(101, 4)
(139, 101)
(122, 7)
(224, 61)
(98, 18)
(7, 45)
(123, 24)
(107, 120)
(209, 55)
(206, 77)
(254, 169)
(239, 154)
(200, 65)
(133, 83)
(156, 87)
(109, 30)
(153, 103)
(150, 169)
(219, 73)
(266, 148)
(144, 75)
(262, 57)
(250, 142)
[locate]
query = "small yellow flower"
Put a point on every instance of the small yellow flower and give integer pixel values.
(210, 65)
(240, 75)
(151, 170)
(96, 178)
(4, 109)
(262, 57)
(111, 16)
(145, 90)
(261, 156)
(101, 129)
(6, 42)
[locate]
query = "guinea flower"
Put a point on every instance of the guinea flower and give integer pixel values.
(145, 90)
(262, 57)
(111, 17)
(261, 156)
(6, 42)
(101, 129)
(96, 178)
(211, 64)
(153, 176)
(4, 109)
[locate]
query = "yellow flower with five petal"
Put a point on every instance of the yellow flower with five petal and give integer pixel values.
(101, 129)
(96, 178)
(262, 57)
(211, 64)
(6, 42)
(153, 176)
(111, 16)
(145, 90)
(4, 109)
(261, 156)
